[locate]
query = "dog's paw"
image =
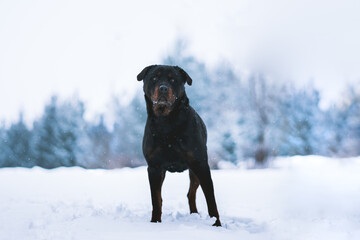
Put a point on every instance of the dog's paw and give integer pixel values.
(217, 223)
(155, 221)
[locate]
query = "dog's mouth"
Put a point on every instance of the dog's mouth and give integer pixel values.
(162, 101)
(161, 97)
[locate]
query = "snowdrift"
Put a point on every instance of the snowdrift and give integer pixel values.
(297, 198)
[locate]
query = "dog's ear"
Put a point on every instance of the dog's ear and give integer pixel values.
(186, 76)
(143, 73)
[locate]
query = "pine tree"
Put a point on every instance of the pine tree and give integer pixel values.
(335, 123)
(299, 124)
(350, 112)
(18, 142)
(46, 132)
(228, 152)
(4, 148)
(100, 143)
(128, 131)
(58, 133)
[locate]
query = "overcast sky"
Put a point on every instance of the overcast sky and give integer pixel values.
(96, 48)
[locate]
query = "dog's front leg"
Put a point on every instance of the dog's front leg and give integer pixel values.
(156, 179)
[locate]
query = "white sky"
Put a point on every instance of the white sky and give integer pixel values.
(96, 48)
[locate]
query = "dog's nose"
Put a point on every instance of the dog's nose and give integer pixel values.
(163, 89)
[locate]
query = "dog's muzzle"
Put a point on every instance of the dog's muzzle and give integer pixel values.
(163, 95)
(163, 100)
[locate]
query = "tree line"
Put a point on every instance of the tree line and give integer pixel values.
(249, 119)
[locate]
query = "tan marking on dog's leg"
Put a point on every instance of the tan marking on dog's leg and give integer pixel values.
(194, 184)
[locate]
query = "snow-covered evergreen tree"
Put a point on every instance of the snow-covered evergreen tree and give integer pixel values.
(4, 148)
(299, 124)
(19, 151)
(57, 135)
(100, 143)
(228, 145)
(335, 122)
(126, 146)
(350, 112)
(46, 137)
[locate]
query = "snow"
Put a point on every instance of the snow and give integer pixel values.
(296, 198)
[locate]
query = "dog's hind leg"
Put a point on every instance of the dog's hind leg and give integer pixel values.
(204, 175)
(194, 184)
(156, 179)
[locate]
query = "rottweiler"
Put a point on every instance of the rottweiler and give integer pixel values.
(175, 137)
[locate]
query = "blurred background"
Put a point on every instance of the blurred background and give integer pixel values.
(270, 78)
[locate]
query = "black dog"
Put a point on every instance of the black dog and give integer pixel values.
(175, 137)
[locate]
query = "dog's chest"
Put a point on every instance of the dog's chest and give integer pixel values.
(166, 153)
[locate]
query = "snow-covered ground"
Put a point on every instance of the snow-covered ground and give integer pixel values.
(297, 198)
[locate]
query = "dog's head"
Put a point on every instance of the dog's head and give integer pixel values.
(163, 86)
